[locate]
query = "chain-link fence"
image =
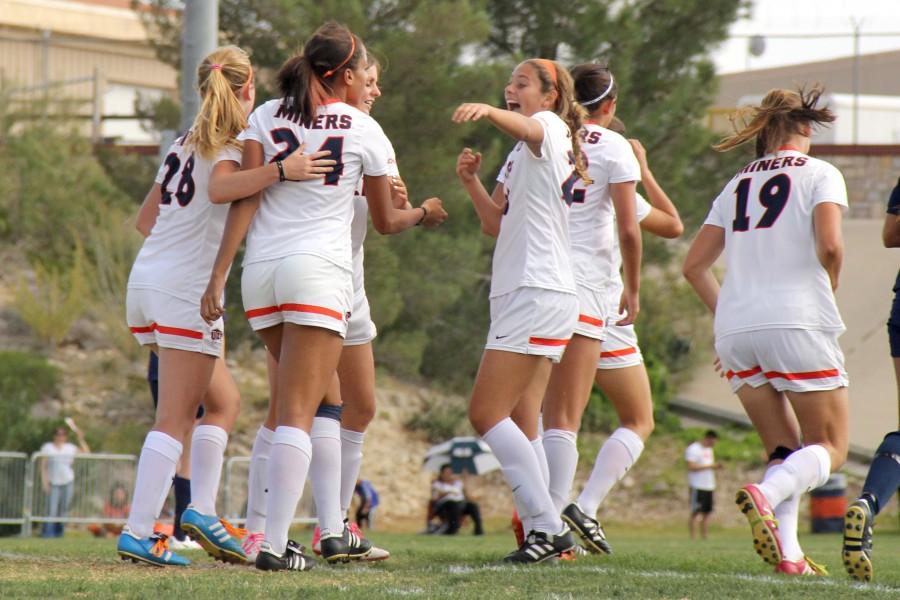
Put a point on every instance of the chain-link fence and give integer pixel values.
(233, 494)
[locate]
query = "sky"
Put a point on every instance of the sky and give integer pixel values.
(809, 17)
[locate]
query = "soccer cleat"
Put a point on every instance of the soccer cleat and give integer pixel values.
(345, 546)
(219, 538)
(538, 547)
(293, 558)
(588, 529)
(518, 529)
(251, 544)
(766, 540)
(804, 566)
(317, 541)
(185, 544)
(857, 551)
(375, 553)
(153, 550)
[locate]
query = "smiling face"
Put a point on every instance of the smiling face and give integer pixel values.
(524, 93)
(371, 91)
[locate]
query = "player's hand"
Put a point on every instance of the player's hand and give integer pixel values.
(467, 165)
(435, 213)
(630, 306)
(399, 193)
(640, 153)
(717, 365)
(302, 167)
(211, 308)
(471, 111)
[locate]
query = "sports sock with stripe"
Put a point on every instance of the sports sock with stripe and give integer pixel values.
(802, 471)
(351, 459)
(288, 467)
(325, 474)
(523, 475)
(155, 470)
(562, 458)
(787, 514)
(256, 480)
(207, 454)
(616, 456)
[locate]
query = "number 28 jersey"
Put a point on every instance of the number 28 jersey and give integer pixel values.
(313, 217)
(773, 277)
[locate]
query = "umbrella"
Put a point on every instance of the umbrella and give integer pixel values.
(463, 454)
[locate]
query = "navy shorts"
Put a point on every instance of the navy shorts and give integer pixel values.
(893, 327)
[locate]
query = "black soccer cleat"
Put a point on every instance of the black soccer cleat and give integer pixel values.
(345, 547)
(293, 558)
(857, 551)
(539, 547)
(588, 529)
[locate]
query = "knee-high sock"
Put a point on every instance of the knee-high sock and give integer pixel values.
(207, 454)
(787, 513)
(155, 470)
(802, 471)
(325, 474)
(540, 453)
(562, 459)
(616, 456)
(288, 466)
(351, 459)
(884, 473)
(182, 489)
(256, 480)
(523, 474)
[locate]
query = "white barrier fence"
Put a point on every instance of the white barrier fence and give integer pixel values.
(95, 489)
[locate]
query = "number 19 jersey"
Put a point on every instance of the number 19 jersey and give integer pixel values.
(313, 217)
(773, 277)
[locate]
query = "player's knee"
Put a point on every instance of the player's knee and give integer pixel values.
(890, 444)
(643, 426)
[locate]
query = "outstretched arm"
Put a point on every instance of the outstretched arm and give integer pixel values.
(518, 127)
(489, 208)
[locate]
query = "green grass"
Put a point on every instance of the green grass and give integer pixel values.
(646, 564)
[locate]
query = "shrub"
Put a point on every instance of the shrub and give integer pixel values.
(441, 419)
(25, 380)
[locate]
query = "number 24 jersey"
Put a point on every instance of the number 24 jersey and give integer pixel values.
(773, 277)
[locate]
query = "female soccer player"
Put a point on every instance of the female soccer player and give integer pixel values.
(297, 279)
(533, 303)
(776, 321)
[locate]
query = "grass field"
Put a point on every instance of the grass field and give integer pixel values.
(646, 564)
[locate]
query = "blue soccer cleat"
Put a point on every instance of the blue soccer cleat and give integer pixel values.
(219, 538)
(152, 550)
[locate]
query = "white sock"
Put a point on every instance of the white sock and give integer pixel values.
(802, 471)
(207, 454)
(537, 445)
(325, 474)
(523, 474)
(787, 514)
(288, 466)
(156, 467)
(617, 454)
(256, 480)
(562, 457)
(351, 460)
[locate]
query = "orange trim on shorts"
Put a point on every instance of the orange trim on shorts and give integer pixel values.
(261, 312)
(808, 375)
(620, 352)
(744, 374)
(590, 320)
(311, 308)
(197, 335)
(546, 341)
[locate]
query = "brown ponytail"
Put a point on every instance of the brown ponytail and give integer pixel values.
(305, 79)
(566, 107)
(780, 116)
(221, 118)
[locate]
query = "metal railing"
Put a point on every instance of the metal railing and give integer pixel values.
(233, 494)
(13, 475)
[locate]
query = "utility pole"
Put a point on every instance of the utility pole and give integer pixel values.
(199, 37)
(856, 25)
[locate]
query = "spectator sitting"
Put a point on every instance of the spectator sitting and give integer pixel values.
(115, 507)
(368, 502)
(450, 504)
(58, 476)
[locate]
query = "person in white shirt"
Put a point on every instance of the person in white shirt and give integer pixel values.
(450, 503)
(776, 320)
(701, 465)
(58, 476)
(534, 308)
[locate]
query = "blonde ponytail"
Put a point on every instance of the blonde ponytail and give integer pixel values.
(221, 118)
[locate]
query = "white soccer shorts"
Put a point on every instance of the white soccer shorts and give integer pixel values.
(360, 328)
(620, 346)
(797, 360)
(591, 314)
(159, 318)
(532, 320)
(302, 289)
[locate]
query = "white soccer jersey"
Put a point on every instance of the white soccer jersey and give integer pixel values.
(313, 217)
(178, 255)
(533, 246)
(773, 278)
(610, 159)
(616, 285)
(360, 224)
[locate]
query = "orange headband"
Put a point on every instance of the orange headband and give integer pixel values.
(550, 68)
(331, 72)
